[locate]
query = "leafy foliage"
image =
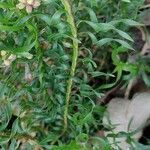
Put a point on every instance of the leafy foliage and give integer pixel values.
(33, 85)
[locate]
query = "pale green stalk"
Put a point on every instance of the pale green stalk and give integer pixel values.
(70, 20)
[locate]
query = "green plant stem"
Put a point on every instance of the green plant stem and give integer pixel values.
(70, 20)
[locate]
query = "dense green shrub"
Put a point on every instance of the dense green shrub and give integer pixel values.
(56, 59)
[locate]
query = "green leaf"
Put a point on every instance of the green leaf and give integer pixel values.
(146, 79)
(92, 14)
(9, 28)
(51, 20)
(92, 36)
(104, 41)
(5, 113)
(23, 49)
(100, 27)
(97, 74)
(127, 1)
(124, 35)
(124, 44)
(6, 5)
(128, 22)
(108, 40)
(71, 146)
(119, 74)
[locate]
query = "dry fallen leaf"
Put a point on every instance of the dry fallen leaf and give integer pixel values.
(127, 116)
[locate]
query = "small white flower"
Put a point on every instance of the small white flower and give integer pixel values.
(30, 2)
(28, 5)
(28, 75)
(20, 5)
(29, 9)
(23, 1)
(12, 57)
(3, 53)
(7, 62)
(36, 4)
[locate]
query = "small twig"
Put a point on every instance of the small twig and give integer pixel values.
(145, 6)
(129, 87)
(108, 96)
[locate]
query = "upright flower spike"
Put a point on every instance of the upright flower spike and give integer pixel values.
(28, 5)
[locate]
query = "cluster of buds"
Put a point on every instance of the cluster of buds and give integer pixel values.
(7, 60)
(28, 5)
